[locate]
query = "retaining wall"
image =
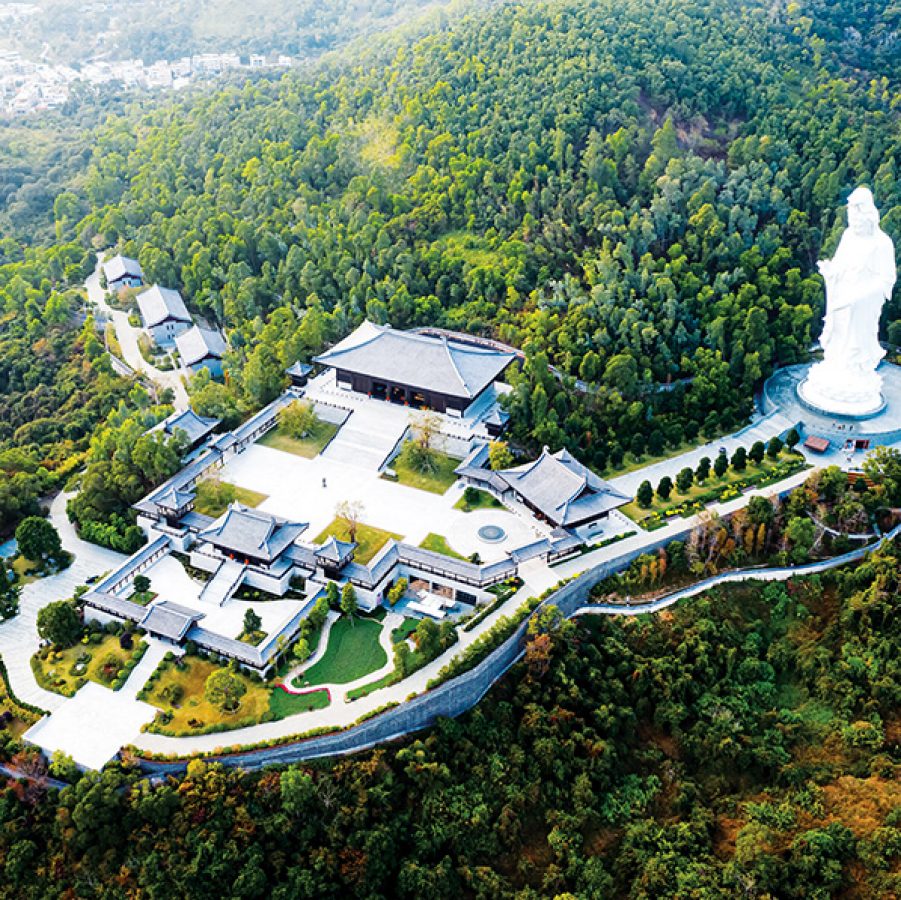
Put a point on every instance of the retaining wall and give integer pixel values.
(460, 694)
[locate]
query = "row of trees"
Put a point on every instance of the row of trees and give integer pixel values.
(686, 477)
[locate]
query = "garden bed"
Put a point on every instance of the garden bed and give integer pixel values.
(436, 481)
(437, 543)
(103, 661)
(474, 499)
(368, 538)
(177, 689)
(213, 502)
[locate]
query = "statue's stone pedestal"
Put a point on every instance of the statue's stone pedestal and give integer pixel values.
(839, 393)
(792, 391)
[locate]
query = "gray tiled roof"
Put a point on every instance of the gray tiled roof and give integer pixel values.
(335, 551)
(428, 561)
(300, 369)
(132, 564)
(198, 344)
(483, 476)
(497, 416)
(478, 455)
(120, 267)
(196, 521)
(417, 360)
(561, 488)
(158, 304)
(169, 620)
(267, 415)
(194, 426)
(259, 656)
(110, 603)
(303, 556)
(173, 498)
(251, 533)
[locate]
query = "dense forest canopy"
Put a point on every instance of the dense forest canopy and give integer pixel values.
(636, 194)
(633, 192)
(56, 384)
(740, 746)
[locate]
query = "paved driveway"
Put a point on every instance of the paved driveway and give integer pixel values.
(127, 335)
(18, 636)
(93, 726)
(294, 489)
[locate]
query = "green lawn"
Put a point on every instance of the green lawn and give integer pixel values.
(369, 539)
(363, 690)
(481, 500)
(437, 481)
(353, 651)
(214, 497)
(437, 543)
(142, 598)
(255, 638)
(282, 704)
(307, 447)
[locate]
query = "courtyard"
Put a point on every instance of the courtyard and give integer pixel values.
(310, 490)
(170, 581)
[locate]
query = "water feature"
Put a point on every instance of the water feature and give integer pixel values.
(492, 534)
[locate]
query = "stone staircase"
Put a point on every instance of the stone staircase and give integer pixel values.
(366, 440)
(769, 426)
(224, 583)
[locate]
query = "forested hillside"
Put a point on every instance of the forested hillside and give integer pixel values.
(56, 385)
(740, 746)
(633, 191)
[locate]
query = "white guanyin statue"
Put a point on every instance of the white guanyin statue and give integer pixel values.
(859, 279)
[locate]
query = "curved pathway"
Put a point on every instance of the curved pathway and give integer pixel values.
(318, 653)
(340, 691)
(457, 696)
(127, 335)
(18, 636)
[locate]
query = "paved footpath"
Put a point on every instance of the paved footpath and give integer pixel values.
(152, 657)
(18, 637)
(127, 335)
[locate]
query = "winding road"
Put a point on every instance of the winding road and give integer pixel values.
(127, 335)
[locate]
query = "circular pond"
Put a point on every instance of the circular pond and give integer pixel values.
(492, 534)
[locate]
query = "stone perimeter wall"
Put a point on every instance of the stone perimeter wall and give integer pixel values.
(460, 694)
